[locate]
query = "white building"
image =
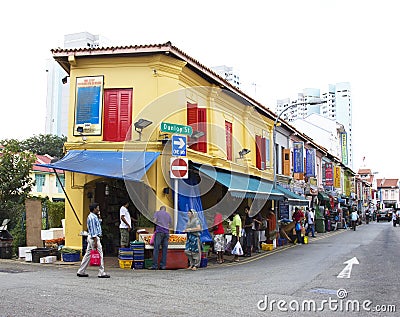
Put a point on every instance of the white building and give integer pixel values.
(335, 105)
(228, 74)
(57, 99)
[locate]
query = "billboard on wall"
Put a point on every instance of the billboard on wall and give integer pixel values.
(343, 140)
(328, 174)
(337, 172)
(88, 105)
(298, 158)
(310, 162)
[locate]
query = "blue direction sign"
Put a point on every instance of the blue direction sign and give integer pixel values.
(179, 145)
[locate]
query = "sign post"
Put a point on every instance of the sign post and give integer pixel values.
(179, 169)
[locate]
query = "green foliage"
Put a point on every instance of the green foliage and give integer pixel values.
(16, 226)
(15, 165)
(67, 250)
(55, 212)
(45, 144)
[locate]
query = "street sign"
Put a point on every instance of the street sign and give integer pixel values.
(178, 145)
(175, 128)
(179, 168)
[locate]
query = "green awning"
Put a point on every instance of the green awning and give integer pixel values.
(293, 198)
(241, 185)
(323, 197)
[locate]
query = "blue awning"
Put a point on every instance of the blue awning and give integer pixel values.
(293, 198)
(241, 185)
(125, 165)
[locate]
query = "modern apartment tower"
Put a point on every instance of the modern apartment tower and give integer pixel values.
(334, 104)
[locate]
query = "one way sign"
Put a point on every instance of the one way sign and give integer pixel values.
(179, 145)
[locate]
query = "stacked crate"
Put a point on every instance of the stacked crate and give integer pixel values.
(125, 258)
(138, 254)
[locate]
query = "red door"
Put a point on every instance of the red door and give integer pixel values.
(117, 115)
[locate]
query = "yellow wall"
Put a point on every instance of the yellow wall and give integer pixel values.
(162, 87)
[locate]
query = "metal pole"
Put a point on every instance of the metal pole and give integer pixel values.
(175, 204)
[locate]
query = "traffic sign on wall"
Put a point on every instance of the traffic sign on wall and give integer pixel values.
(179, 168)
(179, 145)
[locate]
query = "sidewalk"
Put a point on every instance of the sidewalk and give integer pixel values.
(111, 262)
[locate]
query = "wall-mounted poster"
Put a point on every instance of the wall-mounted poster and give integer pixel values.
(88, 105)
(310, 162)
(328, 174)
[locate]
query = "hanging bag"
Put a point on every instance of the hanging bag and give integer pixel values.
(94, 258)
(298, 226)
(237, 250)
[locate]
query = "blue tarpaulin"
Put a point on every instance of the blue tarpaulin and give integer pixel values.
(126, 165)
(189, 198)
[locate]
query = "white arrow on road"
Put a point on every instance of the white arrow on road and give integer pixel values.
(346, 272)
(180, 142)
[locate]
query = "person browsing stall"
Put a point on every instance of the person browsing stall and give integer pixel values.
(163, 222)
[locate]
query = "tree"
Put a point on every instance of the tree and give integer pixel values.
(45, 144)
(15, 165)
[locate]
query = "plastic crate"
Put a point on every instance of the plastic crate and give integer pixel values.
(204, 262)
(267, 247)
(125, 264)
(138, 257)
(70, 257)
(148, 263)
(138, 264)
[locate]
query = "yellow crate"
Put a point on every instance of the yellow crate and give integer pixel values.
(267, 247)
(125, 264)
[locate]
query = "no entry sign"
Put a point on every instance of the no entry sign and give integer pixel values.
(179, 167)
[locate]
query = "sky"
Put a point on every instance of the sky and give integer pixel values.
(277, 47)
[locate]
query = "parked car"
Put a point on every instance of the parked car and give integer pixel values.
(384, 214)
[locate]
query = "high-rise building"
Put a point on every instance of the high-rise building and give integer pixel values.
(57, 99)
(334, 104)
(228, 74)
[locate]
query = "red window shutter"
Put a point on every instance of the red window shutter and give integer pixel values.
(202, 119)
(117, 114)
(263, 154)
(228, 138)
(258, 151)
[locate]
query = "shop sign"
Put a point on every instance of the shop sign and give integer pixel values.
(343, 139)
(337, 174)
(328, 174)
(310, 162)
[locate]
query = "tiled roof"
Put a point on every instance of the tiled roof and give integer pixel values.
(387, 182)
(364, 171)
(44, 159)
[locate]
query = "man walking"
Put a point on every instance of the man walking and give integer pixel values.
(93, 242)
(310, 222)
(163, 222)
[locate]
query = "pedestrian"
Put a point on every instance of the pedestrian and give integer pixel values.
(310, 222)
(125, 225)
(248, 229)
(258, 222)
(163, 222)
(236, 228)
(219, 240)
(354, 218)
(298, 216)
(93, 242)
(394, 218)
(193, 244)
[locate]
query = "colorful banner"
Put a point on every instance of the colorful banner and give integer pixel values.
(343, 138)
(298, 157)
(310, 162)
(88, 106)
(328, 174)
(337, 172)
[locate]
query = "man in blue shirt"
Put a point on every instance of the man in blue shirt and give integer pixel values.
(93, 242)
(163, 222)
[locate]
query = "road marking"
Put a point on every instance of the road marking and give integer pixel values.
(346, 272)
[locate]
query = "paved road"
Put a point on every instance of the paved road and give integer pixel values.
(295, 275)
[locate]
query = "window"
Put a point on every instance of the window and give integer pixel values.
(60, 186)
(117, 115)
(260, 152)
(197, 119)
(40, 182)
(228, 138)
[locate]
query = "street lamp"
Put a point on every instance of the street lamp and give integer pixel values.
(316, 102)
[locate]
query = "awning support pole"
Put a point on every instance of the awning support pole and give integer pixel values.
(65, 193)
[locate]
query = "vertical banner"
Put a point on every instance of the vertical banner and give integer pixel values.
(337, 172)
(328, 174)
(310, 162)
(88, 105)
(298, 158)
(343, 138)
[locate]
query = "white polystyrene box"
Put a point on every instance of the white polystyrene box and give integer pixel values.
(22, 251)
